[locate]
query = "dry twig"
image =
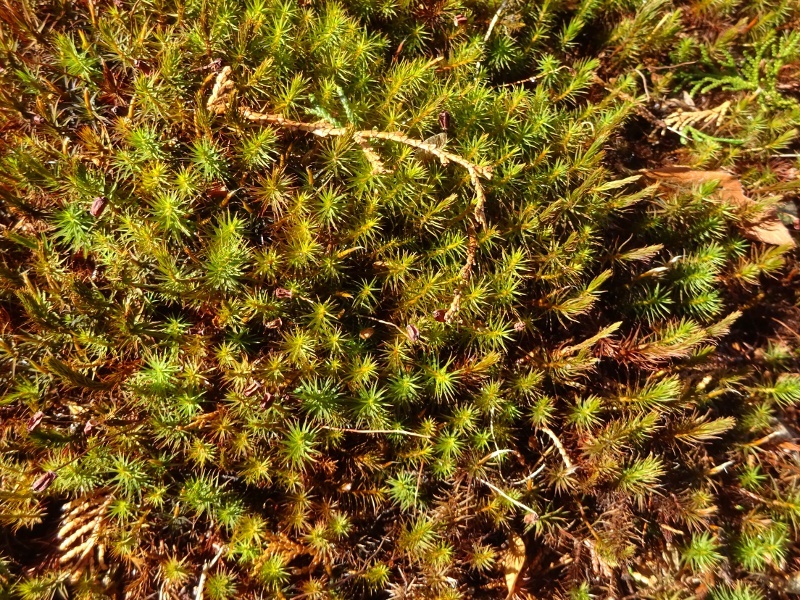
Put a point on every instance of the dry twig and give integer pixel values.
(508, 498)
(220, 98)
(324, 129)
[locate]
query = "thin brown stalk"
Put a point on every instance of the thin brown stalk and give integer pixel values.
(377, 431)
(466, 273)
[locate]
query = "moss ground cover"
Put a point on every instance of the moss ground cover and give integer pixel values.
(381, 299)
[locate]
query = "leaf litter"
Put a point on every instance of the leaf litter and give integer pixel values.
(765, 227)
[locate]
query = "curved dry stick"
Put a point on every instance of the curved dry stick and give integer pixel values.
(376, 431)
(362, 137)
(501, 493)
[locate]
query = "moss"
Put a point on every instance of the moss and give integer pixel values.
(343, 300)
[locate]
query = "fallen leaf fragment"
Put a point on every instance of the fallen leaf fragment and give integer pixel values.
(770, 231)
(514, 563)
(767, 227)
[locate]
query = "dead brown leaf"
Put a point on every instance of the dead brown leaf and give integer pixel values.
(514, 563)
(765, 227)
